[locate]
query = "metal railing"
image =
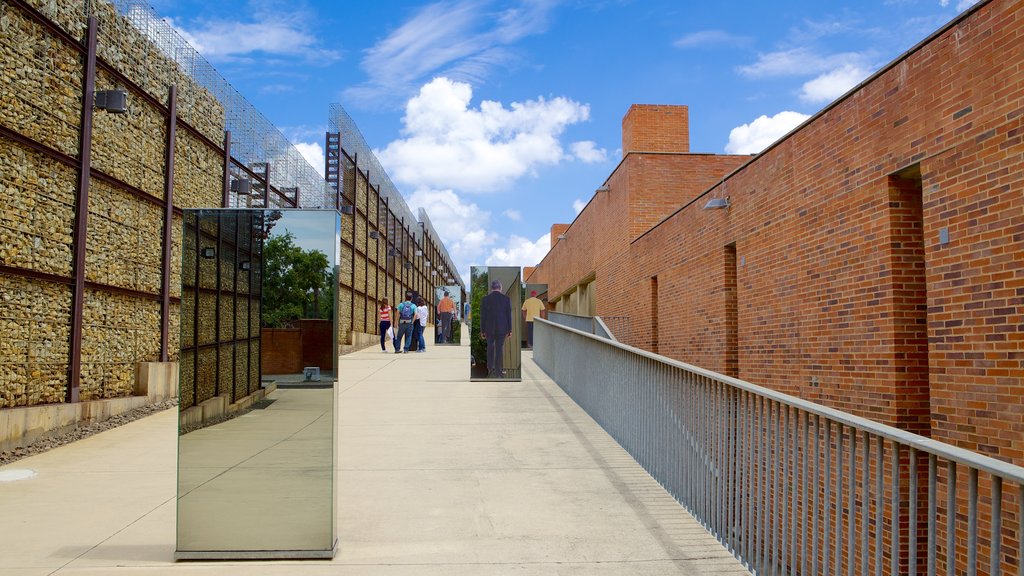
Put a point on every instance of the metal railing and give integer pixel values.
(789, 486)
(611, 327)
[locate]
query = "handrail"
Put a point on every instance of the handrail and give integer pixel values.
(768, 473)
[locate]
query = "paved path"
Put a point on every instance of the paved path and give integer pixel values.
(438, 476)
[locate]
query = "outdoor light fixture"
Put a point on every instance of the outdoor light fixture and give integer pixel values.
(245, 265)
(392, 252)
(561, 236)
(242, 186)
(374, 234)
(603, 188)
(433, 272)
(419, 252)
(348, 209)
(208, 253)
(715, 203)
(408, 264)
(113, 101)
(428, 263)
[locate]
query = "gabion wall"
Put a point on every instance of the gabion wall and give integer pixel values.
(40, 118)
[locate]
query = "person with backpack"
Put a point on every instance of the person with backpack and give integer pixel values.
(406, 317)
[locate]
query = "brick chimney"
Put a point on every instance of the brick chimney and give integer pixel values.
(656, 128)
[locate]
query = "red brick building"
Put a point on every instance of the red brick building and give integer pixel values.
(872, 260)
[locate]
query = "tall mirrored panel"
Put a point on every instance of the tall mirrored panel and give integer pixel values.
(448, 315)
(496, 331)
(259, 348)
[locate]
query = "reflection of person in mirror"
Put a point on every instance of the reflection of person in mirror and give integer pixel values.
(445, 309)
(495, 327)
(532, 308)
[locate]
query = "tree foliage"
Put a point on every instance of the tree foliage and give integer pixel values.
(297, 283)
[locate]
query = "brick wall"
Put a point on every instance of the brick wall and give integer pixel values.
(839, 290)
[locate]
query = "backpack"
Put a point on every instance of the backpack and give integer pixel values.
(406, 311)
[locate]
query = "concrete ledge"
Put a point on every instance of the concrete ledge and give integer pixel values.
(22, 426)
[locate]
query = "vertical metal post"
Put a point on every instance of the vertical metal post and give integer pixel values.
(266, 196)
(851, 513)
(996, 540)
(932, 512)
(815, 501)
(972, 521)
(786, 470)
(879, 501)
(82, 214)
(226, 197)
(840, 431)
(951, 517)
(894, 531)
(803, 495)
(912, 536)
(865, 503)
(165, 288)
(195, 311)
(827, 508)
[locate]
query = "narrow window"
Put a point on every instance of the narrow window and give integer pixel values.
(732, 356)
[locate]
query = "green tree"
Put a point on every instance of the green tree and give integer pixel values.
(297, 283)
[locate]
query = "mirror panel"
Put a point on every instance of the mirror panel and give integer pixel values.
(257, 446)
(496, 303)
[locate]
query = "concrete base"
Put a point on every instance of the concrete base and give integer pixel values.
(259, 554)
(154, 382)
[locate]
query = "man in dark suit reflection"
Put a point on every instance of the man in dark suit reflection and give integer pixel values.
(495, 327)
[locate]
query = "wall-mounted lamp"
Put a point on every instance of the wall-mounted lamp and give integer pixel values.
(715, 203)
(603, 188)
(408, 264)
(374, 234)
(392, 252)
(208, 253)
(113, 101)
(561, 236)
(348, 209)
(428, 263)
(245, 265)
(419, 252)
(242, 186)
(433, 272)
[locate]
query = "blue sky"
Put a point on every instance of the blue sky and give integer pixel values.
(503, 117)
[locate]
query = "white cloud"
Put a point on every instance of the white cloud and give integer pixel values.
(578, 205)
(831, 85)
(800, 62)
(462, 226)
(514, 215)
(313, 152)
(463, 40)
(270, 31)
(520, 251)
(711, 38)
(762, 132)
(450, 145)
(586, 151)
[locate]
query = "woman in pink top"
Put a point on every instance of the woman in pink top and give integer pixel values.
(384, 317)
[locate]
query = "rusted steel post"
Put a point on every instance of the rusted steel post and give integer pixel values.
(165, 303)
(82, 214)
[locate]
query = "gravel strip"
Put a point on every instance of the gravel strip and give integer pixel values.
(83, 431)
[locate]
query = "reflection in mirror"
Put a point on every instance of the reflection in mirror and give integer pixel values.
(256, 448)
(496, 296)
(447, 315)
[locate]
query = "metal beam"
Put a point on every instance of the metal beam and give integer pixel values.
(82, 214)
(165, 305)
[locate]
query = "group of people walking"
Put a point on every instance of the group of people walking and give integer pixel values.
(405, 323)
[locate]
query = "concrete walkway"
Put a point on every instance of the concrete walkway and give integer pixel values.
(438, 476)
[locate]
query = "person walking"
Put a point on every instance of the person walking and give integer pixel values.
(406, 312)
(532, 308)
(495, 327)
(445, 311)
(384, 317)
(422, 312)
